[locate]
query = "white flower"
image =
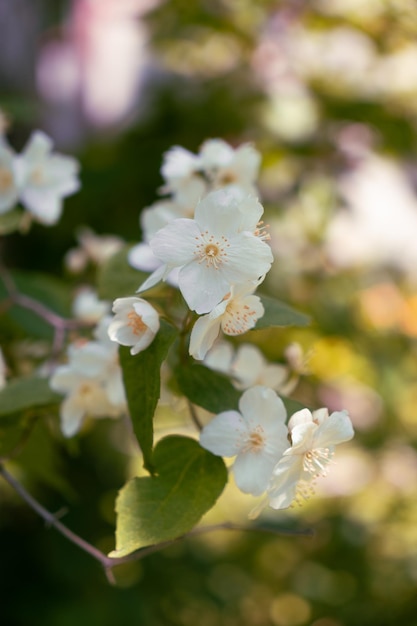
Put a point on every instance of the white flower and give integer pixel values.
(256, 435)
(178, 168)
(224, 165)
(84, 397)
(248, 367)
(313, 437)
(92, 247)
(8, 184)
(135, 323)
(45, 178)
(214, 251)
(87, 306)
(236, 314)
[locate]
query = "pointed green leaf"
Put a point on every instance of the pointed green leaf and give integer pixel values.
(25, 393)
(161, 508)
(142, 380)
(280, 314)
(118, 279)
(210, 390)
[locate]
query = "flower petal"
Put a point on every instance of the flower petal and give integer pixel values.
(223, 436)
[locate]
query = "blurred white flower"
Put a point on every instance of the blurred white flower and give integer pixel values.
(9, 191)
(135, 323)
(313, 437)
(214, 251)
(256, 435)
(248, 367)
(92, 248)
(87, 306)
(178, 168)
(45, 178)
(237, 313)
(224, 165)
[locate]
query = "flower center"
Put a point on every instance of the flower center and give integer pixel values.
(255, 441)
(238, 318)
(37, 176)
(315, 461)
(136, 323)
(6, 179)
(211, 251)
(85, 390)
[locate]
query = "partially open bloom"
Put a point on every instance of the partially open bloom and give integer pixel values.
(237, 313)
(45, 178)
(313, 437)
(135, 323)
(256, 435)
(225, 165)
(213, 251)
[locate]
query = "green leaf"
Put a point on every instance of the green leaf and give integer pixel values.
(210, 390)
(142, 380)
(278, 313)
(25, 393)
(118, 279)
(161, 508)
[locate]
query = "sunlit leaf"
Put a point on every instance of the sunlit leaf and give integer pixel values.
(280, 314)
(210, 390)
(155, 509)
(142, 380)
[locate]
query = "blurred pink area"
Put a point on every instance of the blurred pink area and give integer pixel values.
(95, 64)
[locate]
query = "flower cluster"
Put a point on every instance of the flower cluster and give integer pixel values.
(208, 239)
(282, 461)
(91, 380)
(37, 178)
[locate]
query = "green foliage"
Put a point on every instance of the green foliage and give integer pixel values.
(278, 313)
(155, 509)
(210, 390)
(118, 279)
(26, 393)
(142, 380)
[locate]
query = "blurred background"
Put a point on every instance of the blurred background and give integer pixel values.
(327, 92)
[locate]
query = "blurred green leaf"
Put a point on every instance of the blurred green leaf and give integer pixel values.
(117, 279)
(142, 380)
(210, 390)
(26, 393)
(278, 313)
(47, 290)
(155, 509)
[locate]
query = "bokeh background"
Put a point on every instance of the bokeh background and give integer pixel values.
(327, 92)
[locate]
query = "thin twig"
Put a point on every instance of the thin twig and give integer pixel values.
(108, 562)
(194, 416)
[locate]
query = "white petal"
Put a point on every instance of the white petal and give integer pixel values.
(71, 417)
(175, 243)
(43, 204)
(283, 486)
(252, 472)
(204, 333)
(261, 405)
(159, 274)
(223, 436)
(202, 287)
(336, 429)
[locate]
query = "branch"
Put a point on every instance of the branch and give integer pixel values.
(108, 563)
